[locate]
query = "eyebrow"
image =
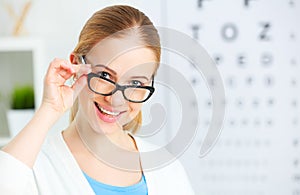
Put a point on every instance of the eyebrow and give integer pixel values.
(111, 70)
(140, 77)
(114, 72)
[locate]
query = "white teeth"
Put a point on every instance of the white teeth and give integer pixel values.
(108, 112)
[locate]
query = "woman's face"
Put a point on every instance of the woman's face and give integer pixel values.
(120, 61)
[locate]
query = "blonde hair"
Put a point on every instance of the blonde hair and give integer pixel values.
(109, 21)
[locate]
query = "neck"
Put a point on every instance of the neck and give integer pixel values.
(117, 150)
(106, 135)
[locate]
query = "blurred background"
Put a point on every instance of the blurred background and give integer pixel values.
(255, 45)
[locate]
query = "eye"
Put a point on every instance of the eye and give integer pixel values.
(136, 83)
(104, 74)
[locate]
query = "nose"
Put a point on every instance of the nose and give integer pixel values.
(116, 99)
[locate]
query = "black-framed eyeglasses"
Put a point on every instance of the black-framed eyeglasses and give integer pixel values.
(106, 87)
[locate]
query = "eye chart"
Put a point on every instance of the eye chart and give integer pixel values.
(255, 44)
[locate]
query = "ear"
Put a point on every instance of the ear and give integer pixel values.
(73, 58)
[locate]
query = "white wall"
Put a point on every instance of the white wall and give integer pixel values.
(59, 23)
(258, 150)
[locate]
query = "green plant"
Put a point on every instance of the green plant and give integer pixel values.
(23, 97)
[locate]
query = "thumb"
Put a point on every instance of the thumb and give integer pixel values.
(79, 85)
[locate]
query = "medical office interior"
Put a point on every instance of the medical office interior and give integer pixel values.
(255, 46)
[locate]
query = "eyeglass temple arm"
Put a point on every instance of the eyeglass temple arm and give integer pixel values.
(82, 58)
(152, 83)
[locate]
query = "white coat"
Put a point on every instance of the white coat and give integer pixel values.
(57, 172)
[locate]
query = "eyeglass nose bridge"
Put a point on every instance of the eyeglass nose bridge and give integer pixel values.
(118, 88)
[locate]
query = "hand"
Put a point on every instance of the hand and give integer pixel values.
(57, 95)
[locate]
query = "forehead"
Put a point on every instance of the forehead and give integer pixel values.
(123, 56)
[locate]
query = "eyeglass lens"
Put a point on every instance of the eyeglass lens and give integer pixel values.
(105, 87)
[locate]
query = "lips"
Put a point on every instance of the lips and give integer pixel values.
(104, 111)
(106, 114)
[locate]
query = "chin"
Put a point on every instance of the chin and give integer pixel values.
(107, 128)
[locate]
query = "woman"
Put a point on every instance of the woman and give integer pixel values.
(113, 67)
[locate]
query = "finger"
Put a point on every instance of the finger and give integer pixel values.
(76, 67)
(59, 71)
(65, 75)
(67, 66)
(82, 69)
(60, 64)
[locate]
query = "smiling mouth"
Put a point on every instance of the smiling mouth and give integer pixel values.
(106, 112)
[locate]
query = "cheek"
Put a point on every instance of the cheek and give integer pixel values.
(84, 98)
(134, 108)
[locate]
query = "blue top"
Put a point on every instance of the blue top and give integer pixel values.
(101, 188)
